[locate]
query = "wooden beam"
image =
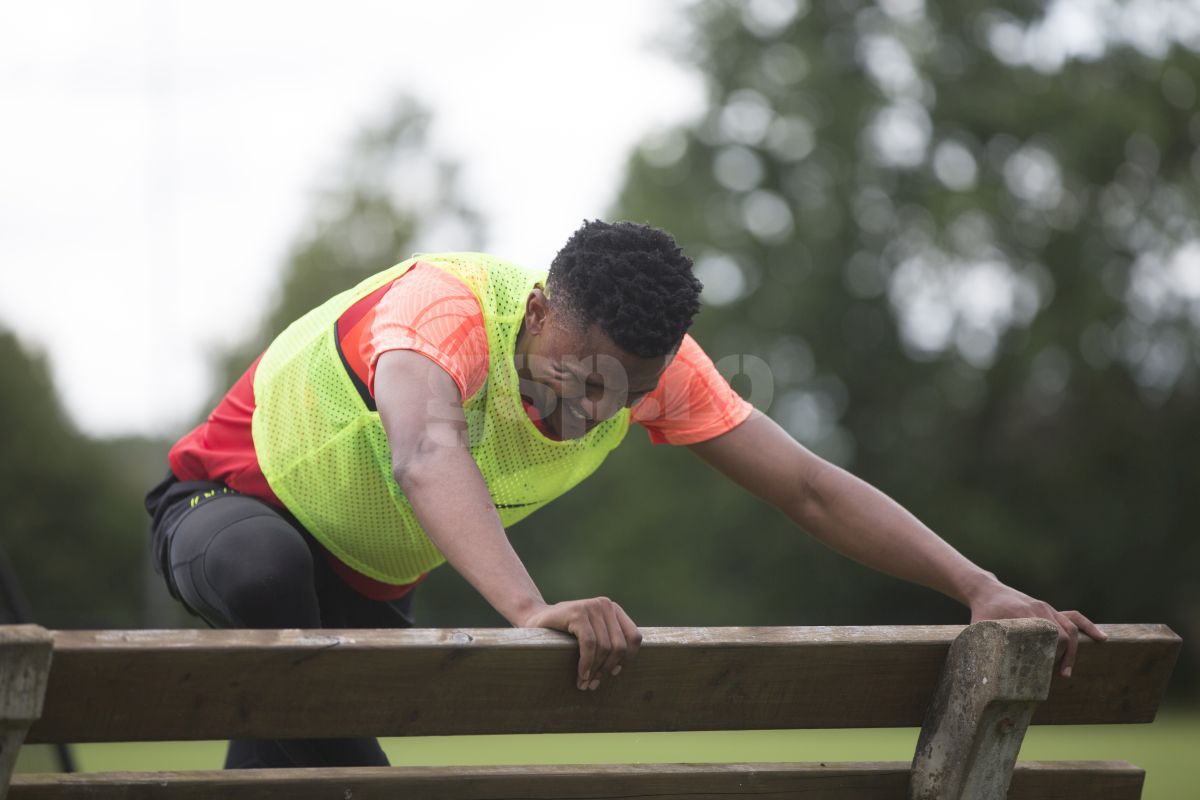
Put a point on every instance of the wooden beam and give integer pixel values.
(201, 684)
(25, 652)
(995, 675)
(1128, 678)
(829, 781)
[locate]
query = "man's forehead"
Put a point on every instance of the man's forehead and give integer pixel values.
(592, 340)
(586, 350)
(599, 368)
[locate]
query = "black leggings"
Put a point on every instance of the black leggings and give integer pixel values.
(237, 562)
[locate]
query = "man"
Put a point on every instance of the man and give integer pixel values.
(408, 421)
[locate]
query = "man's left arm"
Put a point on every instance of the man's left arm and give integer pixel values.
(862, 523)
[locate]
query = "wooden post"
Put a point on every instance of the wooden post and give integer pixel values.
(995, 675)
(24, 666)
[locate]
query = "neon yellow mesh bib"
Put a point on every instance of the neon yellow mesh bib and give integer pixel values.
(325, 455)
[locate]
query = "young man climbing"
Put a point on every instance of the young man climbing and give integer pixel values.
(413, 418)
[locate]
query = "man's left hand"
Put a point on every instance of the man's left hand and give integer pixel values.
(998, 601)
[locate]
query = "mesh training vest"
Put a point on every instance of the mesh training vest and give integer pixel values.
(323, 450)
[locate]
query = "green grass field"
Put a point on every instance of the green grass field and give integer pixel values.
(1169, 750)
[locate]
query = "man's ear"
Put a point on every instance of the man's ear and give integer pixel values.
(537, 307)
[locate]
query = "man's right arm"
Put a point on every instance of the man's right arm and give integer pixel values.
(421, 410)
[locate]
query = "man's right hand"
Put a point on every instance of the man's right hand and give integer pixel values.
(421, 410)
(608, 638)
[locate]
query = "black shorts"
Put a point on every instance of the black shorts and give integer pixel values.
(237, 562)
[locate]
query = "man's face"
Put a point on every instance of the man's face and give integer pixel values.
(577, 378)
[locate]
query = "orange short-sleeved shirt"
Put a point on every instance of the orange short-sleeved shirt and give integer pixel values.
(433, 313)
(438, 316)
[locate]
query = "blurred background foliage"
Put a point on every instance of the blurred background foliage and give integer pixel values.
(966, 248)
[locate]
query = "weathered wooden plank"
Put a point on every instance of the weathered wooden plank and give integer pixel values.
(830, 781)
(246, 683)
(995, 675)
(1127, 675)
(25, 652)
(1073, 780)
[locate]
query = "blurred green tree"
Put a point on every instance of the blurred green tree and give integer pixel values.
(966, 244)
(71, 507)
(65, 515)
(391, 194)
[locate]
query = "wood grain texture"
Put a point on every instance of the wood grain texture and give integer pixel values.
(25, 652)
(160, 685)
(829, 781)
(995, 676)
(1127, 674)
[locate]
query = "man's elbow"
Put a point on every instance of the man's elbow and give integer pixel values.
(809, 502)
(419, 461)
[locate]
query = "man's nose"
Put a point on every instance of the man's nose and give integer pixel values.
(603, 407)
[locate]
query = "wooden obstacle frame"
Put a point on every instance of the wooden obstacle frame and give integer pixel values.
(974, 691)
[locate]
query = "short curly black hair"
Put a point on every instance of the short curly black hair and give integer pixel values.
(632, 280)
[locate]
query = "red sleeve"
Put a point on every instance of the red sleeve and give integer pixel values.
(222, 447)
(692, 402)
(436, 315)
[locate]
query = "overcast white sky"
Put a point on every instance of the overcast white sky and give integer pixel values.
(157, 156)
